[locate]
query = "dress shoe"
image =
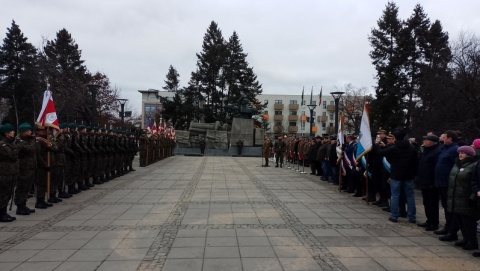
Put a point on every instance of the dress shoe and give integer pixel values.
(470, 246)
(22, 210)
(52, 200)
(448, 237)
(424, 225)
(40, 205)
(277, 166)
(11, 217)
(461, 243)
(5, 218)
(393, 220)
(441, 232)
(431, 228)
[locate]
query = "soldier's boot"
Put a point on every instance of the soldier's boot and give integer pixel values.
(42, 204)
(131, 168)
(72, 190)
(30, 210)
(104, 178)
(87, 183)
(64, 195)
(22, 209)
(96, 180)
(4, 217)
(53, 199)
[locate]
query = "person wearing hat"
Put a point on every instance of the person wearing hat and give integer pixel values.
(376, 167)
(43, 148)
(426, 181)
(267, 145)
(462, 190)
(312, 156)
(26, 144)
(280, 148)
(403, 168)
(332, 160)
(9, 169)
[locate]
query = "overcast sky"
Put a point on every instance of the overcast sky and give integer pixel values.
(290, 44)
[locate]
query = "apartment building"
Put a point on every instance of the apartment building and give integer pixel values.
(151, 103)
(287, 115)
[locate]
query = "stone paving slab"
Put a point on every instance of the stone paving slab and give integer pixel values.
(221, 213)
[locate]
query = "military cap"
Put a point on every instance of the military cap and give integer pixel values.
(24, 127)
(96, 129)
(72, 125)
(63, 125)
(381, 131)
(103, 129)
(6, 128)
(390, 135)
(81, 127)
(89, 128)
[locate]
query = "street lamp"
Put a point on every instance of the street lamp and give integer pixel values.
(122, 109)
(93, 89)
(312, 107)
(336, 95)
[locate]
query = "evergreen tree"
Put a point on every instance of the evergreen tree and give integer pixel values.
(210, 65)
(172, 83)
(18, 74)
(412, 48)
(67, 75)
(387, 107)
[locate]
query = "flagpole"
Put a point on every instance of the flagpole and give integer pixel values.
(48, 163)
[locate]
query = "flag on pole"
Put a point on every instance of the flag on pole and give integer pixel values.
(303, 100)
(340, 138)
(149, 130)
(365, 137)
(311, 96)
(173, 134)
(48, 115)
(320, 96)
(154, 128)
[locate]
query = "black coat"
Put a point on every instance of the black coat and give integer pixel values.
(403, 160)
(426, 167)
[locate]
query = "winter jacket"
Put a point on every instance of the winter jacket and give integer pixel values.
(446, 160)
(426, 167)
(460, 188)
(403, 160)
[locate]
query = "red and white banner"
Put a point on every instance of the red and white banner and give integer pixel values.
(48, 114)
(154, 128)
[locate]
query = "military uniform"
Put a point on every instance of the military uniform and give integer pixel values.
(43, 168)
(27, 165)
(9, 169)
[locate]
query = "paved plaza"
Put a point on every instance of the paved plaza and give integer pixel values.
(220, 213)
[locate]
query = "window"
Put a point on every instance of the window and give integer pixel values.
(278, 123)
(324, 104)
(278, 102)
(278, 112)
(294, 113)
(331, 124)
(292, 123)
(331, 116)
(293, 101)
(324, 125)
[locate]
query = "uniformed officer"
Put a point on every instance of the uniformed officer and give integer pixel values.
(8, 169)
(27, 165)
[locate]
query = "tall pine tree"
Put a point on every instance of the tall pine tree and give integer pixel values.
(172, 83)
(65, 71)
(18, 74)
(387, 107)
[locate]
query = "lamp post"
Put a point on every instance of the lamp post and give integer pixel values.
(93, 89)
(336, 96)
(312, 107)
(122, 109)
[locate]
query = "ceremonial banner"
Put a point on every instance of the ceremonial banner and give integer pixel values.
(48, 115)
(154, 128)
(365, 137)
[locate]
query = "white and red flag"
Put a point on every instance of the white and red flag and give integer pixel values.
(154, 128)
(48, 114)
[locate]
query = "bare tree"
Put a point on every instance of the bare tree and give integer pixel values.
(351, 105)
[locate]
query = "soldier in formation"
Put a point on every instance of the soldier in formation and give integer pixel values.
(153, 148)
(61, 164)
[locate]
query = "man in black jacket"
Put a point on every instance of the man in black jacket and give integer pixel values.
(403, 165)
(426, 181)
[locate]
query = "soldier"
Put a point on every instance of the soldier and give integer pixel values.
(267, 145)
(86, 152)
(100, 161)
(142, 148)
(43, 167)
(8, 169)
(239, 146)
(108, 155)
(27, 165)
(280, 148)
(77, 162)
(133, 151)
(70, 158)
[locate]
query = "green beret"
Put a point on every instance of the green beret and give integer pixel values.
(24, 127)
(63, 125)
(81, 127)
(96, 129)
(103, 129)
(6, 128)
(72, 125)
(89, 128)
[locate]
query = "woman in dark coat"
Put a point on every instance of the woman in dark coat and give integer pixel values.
(461, 187)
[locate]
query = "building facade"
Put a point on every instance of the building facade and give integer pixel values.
(286, 115)
(151, 104)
